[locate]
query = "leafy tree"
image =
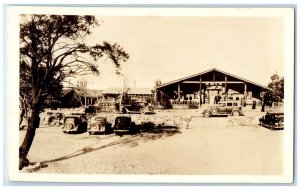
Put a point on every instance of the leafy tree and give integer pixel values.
(157, 83)
(276, 92)
(277, 87)
(52, 49)
(162, 98)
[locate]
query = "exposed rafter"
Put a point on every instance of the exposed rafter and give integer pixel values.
(186, 79)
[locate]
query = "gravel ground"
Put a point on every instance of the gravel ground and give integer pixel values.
(201, 146)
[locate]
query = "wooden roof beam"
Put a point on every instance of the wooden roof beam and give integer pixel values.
(215, 82)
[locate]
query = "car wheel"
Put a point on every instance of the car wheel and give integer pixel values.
(206, 114)
(236, 113)
(280, 123)
(142, 111)
(214, 111)
(272, 127)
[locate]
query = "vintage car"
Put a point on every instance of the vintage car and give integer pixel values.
(223, 108)
(108, 106)
(75, 122)
(138, 107)
(124, 125)
(91, 109)
(53, 118)
(99, 124)
(273, 120)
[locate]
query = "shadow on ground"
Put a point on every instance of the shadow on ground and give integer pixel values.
(148, 132)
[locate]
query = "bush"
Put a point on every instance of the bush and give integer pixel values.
(193, 105)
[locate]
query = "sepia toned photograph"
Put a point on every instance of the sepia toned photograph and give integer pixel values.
(151, 94)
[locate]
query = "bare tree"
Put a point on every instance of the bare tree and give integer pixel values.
(82, 87)
(52, 49)
(124, 96)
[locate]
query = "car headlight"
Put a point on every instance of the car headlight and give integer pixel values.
(69, 125)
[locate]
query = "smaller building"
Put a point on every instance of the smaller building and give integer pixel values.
(139, 94)
(74, 97)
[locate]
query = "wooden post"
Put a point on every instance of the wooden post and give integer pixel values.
(178, 92)
(200, 90)
(245, 90)
(225, 85)
(155, 97)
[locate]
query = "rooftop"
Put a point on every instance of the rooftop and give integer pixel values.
(145, 91)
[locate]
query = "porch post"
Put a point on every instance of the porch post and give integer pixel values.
(178, 92)
(155, 97)
(245, 90)
(226, 85)
(200, 90)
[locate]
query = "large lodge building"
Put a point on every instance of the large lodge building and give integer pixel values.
(203, 88)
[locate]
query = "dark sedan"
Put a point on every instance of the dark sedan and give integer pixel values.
(124, 125)
(273, 120)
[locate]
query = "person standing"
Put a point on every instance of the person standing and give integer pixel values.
(254, 105)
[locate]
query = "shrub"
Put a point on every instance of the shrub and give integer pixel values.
(193, 105)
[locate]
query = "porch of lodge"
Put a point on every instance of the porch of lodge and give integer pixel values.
(210, 87)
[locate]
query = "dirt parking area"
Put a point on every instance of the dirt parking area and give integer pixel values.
(200, 146)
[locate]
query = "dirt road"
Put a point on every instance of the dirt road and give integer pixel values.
(210, 146)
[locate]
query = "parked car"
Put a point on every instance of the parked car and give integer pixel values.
(53, 118)
(124, 125)
(138, 107)
(91, 109)
(224, 108)
(108, 106)
(99, 124)
(75, 122)
(273, 120)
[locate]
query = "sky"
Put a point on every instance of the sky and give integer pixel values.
(169, 48)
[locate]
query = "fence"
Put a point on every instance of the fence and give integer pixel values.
(183, 102)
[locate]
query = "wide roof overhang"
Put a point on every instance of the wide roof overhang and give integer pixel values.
(185, 79)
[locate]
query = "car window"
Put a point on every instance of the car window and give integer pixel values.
(229, 104)
(70, 120)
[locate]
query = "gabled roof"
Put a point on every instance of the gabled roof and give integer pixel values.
(230, 91)
(89, 92)
(66, 91)
(210, 70)
(140, 91)
(112, 91)
(145, 91)
(93, 93)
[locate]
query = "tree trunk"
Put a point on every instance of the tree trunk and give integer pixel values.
(33, 123)
(21, 117)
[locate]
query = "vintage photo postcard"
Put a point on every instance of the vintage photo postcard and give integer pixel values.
(155, 95)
